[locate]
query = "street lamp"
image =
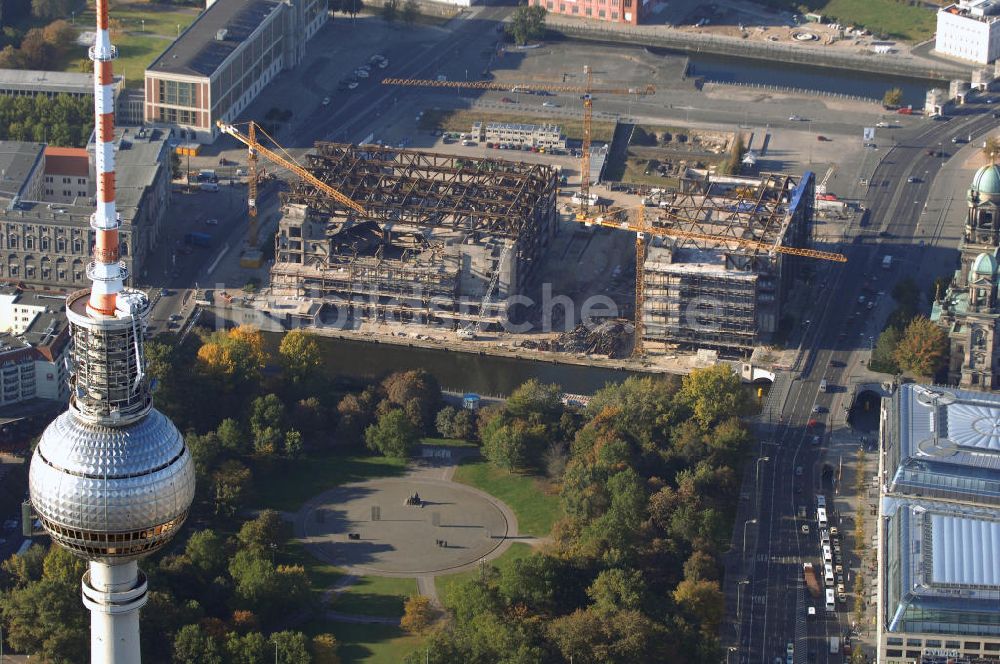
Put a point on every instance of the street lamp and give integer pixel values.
(756, 482)
(739, 604)
(745, 524)
(729, 652)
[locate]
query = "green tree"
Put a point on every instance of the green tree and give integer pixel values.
(231, 483)
(300, 355)
(263, 533)
(267, 418)
(232, 437)
(293, 444)
(393, 435)
(506, 445)
(53, 8)
(206, 550)
(410, 11)
(893, 97)
(527, 23)
(357, 412)
(443, 421)
(255, 579)
(390, 11)
(193, 646)
(292, 647)
(884, 354)
(704, 601)
(617, 589)
(250, 648)
(204, 450)
(713, 394)
(923, 349)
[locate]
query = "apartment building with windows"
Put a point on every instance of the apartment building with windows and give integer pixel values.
(546, 136)
(969, 30)
(32, 347)
(48, 243)
(67, 175)
(632, 12)
(219, 65)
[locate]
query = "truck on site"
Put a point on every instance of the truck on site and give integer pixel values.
(834, 645)
(812, 583)
(198, 239)
(886, 262)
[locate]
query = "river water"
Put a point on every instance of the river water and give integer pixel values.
(463, 372)
(726, 69)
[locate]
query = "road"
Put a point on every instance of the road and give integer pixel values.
(772, 606)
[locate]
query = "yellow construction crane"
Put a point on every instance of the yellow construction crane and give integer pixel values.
(252, 255)
(618, 218)
(587, 91)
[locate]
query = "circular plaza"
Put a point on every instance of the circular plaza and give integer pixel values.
(405, 527)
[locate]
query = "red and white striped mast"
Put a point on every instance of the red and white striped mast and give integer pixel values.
(106, 272)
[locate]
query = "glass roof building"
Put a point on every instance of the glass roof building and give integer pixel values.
(939, 527)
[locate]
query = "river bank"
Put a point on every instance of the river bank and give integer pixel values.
(812, 56)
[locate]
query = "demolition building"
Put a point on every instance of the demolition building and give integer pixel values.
(442, 239)
(718, 294)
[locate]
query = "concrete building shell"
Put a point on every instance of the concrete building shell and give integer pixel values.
(718, 296)
(438, 230)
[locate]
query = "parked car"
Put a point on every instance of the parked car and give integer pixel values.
(326, 101)
(212, 222)
(822, 138)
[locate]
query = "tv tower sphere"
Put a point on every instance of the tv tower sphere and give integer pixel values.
(111, 479)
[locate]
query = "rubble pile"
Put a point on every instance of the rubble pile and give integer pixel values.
(612, 338)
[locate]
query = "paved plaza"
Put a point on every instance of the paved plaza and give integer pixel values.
(455, 527)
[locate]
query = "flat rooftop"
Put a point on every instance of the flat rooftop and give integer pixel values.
(199, 51)
(948, 560)
(17, 159)
(944, 442)
(978, 10)
(54, 82)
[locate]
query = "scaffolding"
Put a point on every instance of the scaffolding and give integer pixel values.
(436, 232)
(726, 297)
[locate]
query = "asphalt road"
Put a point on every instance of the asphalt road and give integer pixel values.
(771, 611)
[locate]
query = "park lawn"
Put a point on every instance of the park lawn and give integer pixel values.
(367, 644)
(535, 509)
(147, 30)
(896, 19)
(314, 474)
(381, 596)
(517, 551)
(321, 575)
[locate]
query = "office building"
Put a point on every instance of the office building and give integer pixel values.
(632, 12)
(216, 67)
(938, 531)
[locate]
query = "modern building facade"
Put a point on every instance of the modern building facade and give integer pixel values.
(969, 309)
(939, 527)
(47, 242)
(216, 67)
(969, 30)
(614, 11)
(32, 83)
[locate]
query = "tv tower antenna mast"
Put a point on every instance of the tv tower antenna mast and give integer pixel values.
(111, 479)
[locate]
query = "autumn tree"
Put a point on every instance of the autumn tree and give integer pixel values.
(713, 394)
(923, 349)
(235, 357)
(324, 649)
(991, 148)
(417, 614)
(417, 392)
(893, 97)
(300, 355)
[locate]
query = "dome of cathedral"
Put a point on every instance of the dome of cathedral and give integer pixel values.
(984, 266)
(987, 180)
